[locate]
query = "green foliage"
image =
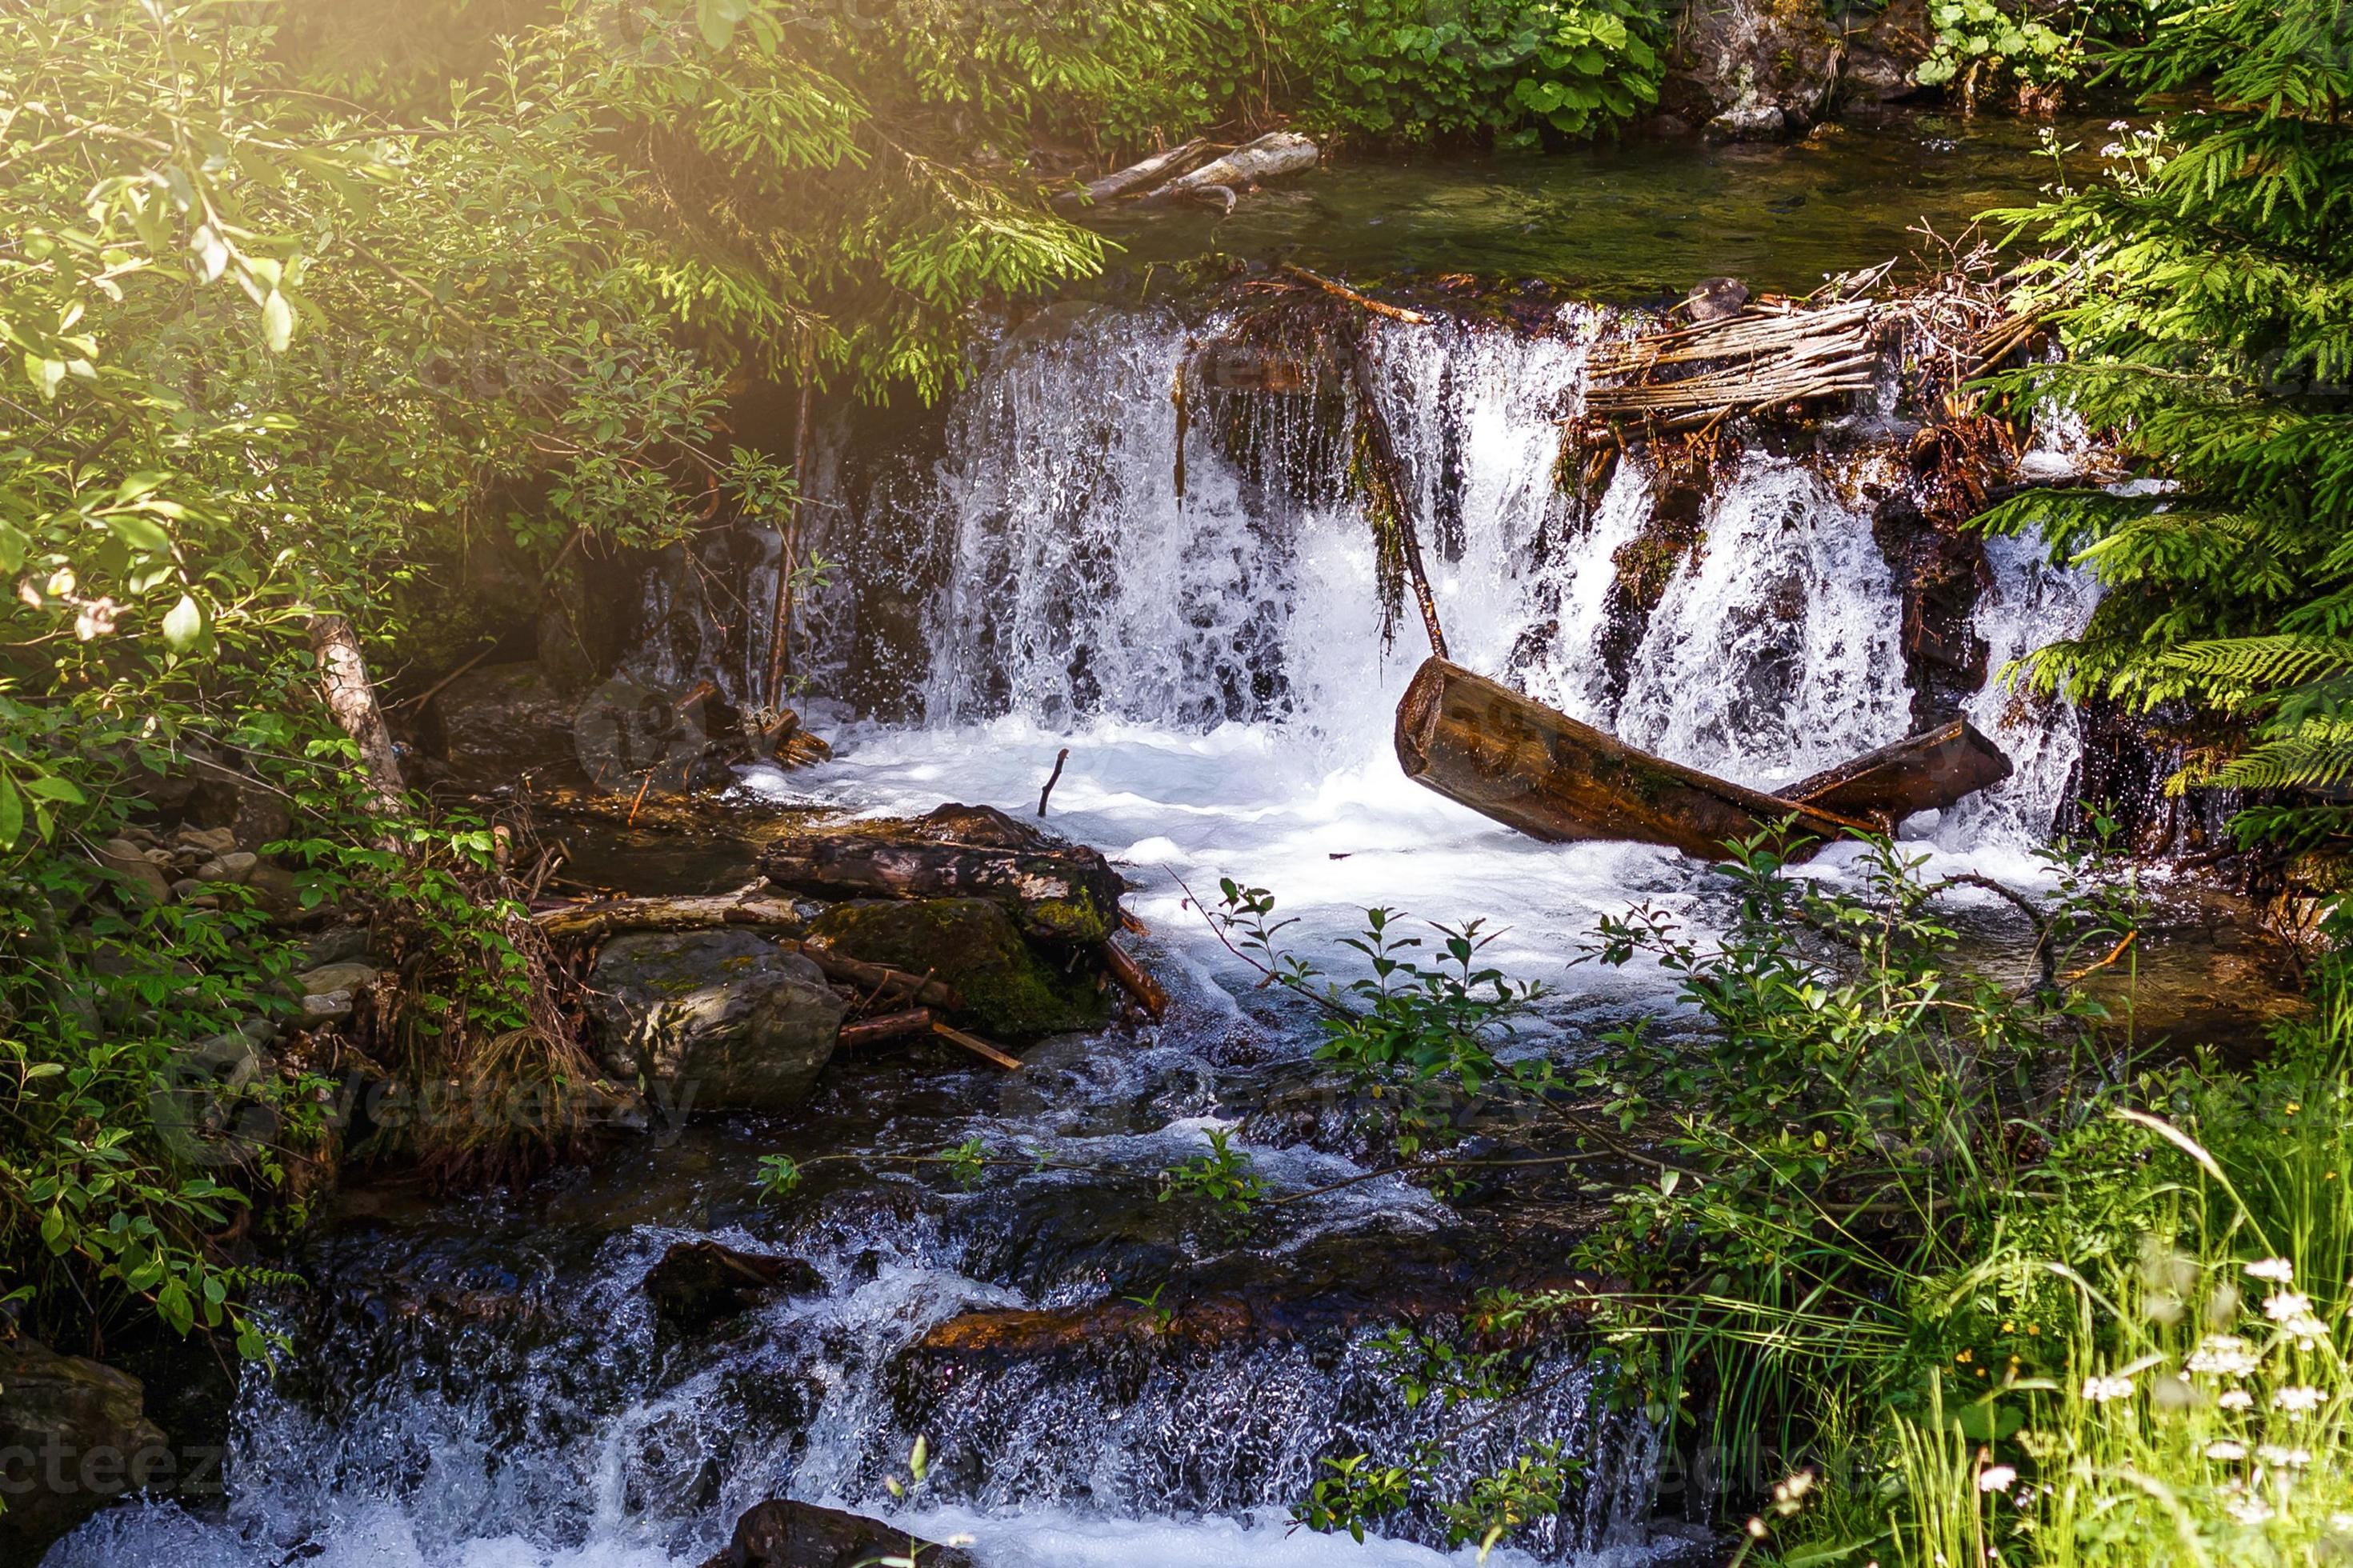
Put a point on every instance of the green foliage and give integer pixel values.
(1222, 1178)
(2205, 295)
(1982, 43)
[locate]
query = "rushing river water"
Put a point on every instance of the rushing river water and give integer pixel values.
(483, 1385)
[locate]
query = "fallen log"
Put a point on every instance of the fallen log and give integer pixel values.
(888, 1027)
(1158, 169)
(1134, 979)
(1927, 772)
(594, 922)
(1339, 290)
(880, 978)
(1064, 892)
(1751, 362)
(1271, 156)
(1511, 758)
(976, 1046)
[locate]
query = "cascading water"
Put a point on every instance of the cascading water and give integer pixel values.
(1181, 591)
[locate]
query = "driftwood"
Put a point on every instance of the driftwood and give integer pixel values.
(1386, 501)
(1927, 772)
(1060, 891)
(1339, 290)
(976, 1046)
(887, 1026)
(881, 979)
(1761, 359)
(1133, 978)
(1517, 761)
(595, 922)
(1156, 170)
(1271, 157)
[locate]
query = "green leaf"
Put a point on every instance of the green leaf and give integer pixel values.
(183, 624)
(139, 532)
(276, 322)
(12, 812)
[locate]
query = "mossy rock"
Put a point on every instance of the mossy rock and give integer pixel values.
(1011, 990)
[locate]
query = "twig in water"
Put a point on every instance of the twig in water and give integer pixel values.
(1056, 777)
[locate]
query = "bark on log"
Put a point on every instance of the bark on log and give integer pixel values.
(888, 1027)
(881, 978)
(350, 698)
(1927, 772)
(1134, 979)
(1060, 891)
(1524, 764)
(1271, 157)
(1158, 169)
(594, 922)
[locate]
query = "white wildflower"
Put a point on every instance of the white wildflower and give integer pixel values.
(2100, 1390)
(2278, 1270)
(2306, 1330)
(2119, 124)
(2287, 1304)
(2223, 1355)
(2235, 1399)
(2226, 1450)
(2298, 1398)
(1995, 1478)
(2251, 1510)
(2283, 1458)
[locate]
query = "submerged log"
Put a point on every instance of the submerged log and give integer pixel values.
(1927, 772)
(1514, 759)
(1134, 979)
(1271, 156)
(977, 1046)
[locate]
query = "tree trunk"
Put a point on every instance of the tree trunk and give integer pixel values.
(1271, 156)
(1155, 170)
(593, 923)
(1062, 892)
(350, 698)
(1927, 772)
(1519, 762)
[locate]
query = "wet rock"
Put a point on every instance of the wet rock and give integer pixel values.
(1752, 69)
(337, 944)
(1714, 300)
(700, 1284)
(1055, 890)
(781, 1534)
(1010, 990)
(504, 720)
(330, 992)
(74, 1436)
(1882, 61)
(724, 1015)
(273, 890)
(139, 875)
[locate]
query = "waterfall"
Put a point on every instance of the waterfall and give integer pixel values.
(1095, 546)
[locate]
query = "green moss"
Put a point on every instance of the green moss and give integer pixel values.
(1012, 991)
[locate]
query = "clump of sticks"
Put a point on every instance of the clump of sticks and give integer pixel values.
(1768, 357)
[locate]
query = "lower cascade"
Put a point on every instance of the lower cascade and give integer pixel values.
(1181, 590)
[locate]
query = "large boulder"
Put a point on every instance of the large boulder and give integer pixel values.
(74, 1436)
(1882, 61)
(1010, 991)
(1752, 69)
(724, 1015)
(781, 1534)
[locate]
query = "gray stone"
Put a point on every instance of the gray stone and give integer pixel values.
(337, 944)
(74, 1436)
(327, 1007)
(273, 890)
(1752, 69)
(208, 841)
(329, 978)
(139, 874)
(234, 866)
(726, 1016)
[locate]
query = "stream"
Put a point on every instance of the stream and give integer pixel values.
(483, 1384)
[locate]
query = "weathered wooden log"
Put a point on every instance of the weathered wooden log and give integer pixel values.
(1143, 174)
(1339, 290)
(880, 978)
(1133, 978)
(350, 698)
(886, 1026)
(976, 1046)
(1517, 761)
(1927, 772)
(594, 922)
(1271, 156)
(1065, 892)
